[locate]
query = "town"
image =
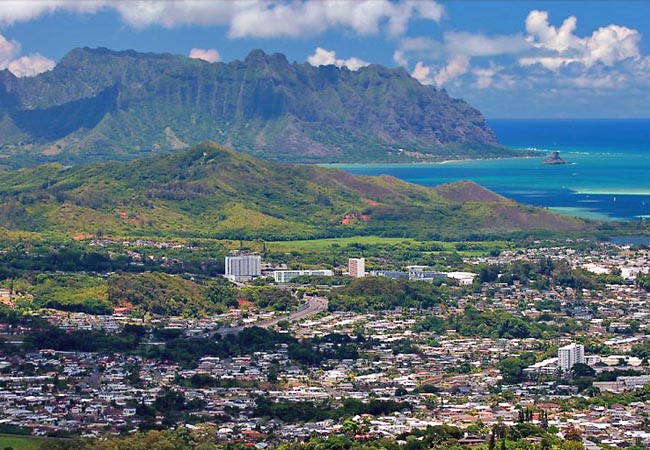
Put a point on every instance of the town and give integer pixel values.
(495, 350)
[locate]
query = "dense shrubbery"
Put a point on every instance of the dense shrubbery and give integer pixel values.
(312, 412)
(644, 281)
(268, 297)
(169, 295)
(188, 352)
(380, 293)
(546, 272)
(71, 292)
(84, 340)
(497, 324)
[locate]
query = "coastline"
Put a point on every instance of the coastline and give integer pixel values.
(428, 163)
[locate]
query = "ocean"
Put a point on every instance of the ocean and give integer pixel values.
(607, 176)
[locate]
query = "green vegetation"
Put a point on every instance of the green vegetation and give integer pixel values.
(16, 442)
(268, 297)
(380, 293)
(212, 192)
(641, 394)
(71, 292)
(496, 324)
(49, 337)
(188, 352)
(292, 412)
(644, 281)
(163, 294)
(547, 272)
(440, 437)
(105, 105)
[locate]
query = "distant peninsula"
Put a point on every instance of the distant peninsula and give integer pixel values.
(554, 159)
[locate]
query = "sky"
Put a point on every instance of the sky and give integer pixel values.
(509, 59)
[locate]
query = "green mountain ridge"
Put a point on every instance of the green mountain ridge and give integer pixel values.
(99, 105)
(210, 191)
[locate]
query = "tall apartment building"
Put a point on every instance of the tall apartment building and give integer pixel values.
(357, 267)
(569, 355)
(243, 267)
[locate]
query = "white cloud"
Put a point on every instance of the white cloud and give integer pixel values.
(547, 36)
(25, 66)
(608, 45)
(322, 57)
(612, 44)
(245, 18)
(485, 76)
(607, 81)
(31, 65)
(470, 44)
(456, 66)
(493, 76)
(296, 18)
(422, 73)
(399, 58)
(142, 14)
(210, 55)
(13, 11)
(8, 50)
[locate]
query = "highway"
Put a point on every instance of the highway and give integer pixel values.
(313, 306)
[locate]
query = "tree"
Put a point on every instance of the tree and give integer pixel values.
(582, 370)
(572, 434)
(511, 370)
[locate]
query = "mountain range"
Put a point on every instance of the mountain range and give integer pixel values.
(210, 191)
(100, 105)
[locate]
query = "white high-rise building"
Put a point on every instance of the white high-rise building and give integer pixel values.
(357, 267)
(569, 355)
(243, 267)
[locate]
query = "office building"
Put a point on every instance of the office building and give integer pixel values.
(243, 267)
(285, 276)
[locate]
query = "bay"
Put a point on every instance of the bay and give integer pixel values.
(607, 178)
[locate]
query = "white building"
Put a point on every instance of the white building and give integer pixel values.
(284, 276)
(243, 267)
(463, 278)
(357, 267)
(546, 367)
(569, 355)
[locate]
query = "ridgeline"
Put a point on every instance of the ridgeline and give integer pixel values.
(210, 191)
(101, 105)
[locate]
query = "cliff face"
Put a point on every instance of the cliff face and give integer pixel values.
(101, 104)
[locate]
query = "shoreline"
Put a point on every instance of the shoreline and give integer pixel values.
(422, 163)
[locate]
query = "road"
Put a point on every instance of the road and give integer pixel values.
(313, 306)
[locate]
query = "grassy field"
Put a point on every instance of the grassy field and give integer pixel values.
(315, 244)
(21, 442)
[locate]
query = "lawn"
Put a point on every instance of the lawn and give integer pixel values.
(21, 442)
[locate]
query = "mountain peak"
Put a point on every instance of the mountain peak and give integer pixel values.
(258, 57)
(264, 106)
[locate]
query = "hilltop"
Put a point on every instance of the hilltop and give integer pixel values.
(99, 105)
(213, 192)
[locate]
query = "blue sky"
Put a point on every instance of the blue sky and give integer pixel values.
(508, 58)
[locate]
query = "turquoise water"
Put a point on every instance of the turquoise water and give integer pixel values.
(608, 177)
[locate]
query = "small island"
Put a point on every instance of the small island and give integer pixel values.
(554, 159)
